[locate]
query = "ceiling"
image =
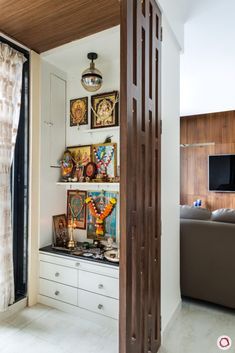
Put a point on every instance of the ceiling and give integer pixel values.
(45, 24)
(72, 57)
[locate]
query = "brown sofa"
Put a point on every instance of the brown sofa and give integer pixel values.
(207, 254)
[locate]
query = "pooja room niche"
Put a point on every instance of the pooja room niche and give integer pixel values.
(80, 174)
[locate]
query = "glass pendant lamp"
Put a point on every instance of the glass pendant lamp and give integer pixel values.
(92, 78)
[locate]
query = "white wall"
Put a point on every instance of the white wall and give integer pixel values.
(51, 196)
(175, 12)
(170, 285)
(207, 67)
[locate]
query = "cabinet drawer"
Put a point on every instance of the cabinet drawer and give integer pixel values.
(58, 291)
(59, 260)
(59, 273)
(98, 304)
(99, 284)
(107, 270)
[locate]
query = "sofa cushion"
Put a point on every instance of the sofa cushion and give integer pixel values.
(192, 212)
(226, 215)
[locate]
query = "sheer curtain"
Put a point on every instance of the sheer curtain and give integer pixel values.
(11, 70)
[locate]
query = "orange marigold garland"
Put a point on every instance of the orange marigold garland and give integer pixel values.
(100, 216)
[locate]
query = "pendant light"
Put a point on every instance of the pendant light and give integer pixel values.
(92, 78)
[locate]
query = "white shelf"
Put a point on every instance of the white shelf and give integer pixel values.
(105, 129)
(90, 186)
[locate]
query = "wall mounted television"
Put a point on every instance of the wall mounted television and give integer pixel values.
(222, 173)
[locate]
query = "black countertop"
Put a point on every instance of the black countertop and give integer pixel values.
(49, 249)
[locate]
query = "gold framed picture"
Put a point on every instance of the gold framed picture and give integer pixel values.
(104, 155)
(79, 111)
(76, 209)
(60, 230)
(104, 110)
(81, 155)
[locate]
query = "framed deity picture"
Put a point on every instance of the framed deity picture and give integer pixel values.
(104, 110)
(100, 201)
(105, 157)
(79, 111)
(76, 209)
(60, 230)
(81, 155)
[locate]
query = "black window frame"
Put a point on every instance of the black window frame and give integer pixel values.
(20, 183)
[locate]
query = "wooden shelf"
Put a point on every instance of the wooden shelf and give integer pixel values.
(90, 186)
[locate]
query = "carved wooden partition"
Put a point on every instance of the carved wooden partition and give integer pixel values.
(140, 177)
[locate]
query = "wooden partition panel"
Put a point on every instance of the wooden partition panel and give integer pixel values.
(218, 131)
(140, 177)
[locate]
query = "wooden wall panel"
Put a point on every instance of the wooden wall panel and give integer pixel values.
(217, 128)
(140, 177)
(45, 24)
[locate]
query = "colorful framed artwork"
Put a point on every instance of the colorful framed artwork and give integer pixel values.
(79, 111)
(105, 157)
(104, 110)
(81, 155)
(101, 199)
(60, 230)
(76, 209)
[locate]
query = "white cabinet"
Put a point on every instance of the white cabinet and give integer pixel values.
(87, 285)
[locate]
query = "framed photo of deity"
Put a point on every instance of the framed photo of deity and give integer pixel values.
(104, 110)
(97, 205)
(76, 208)
(105, 157)
(79, 111)
(81, 155)
(60, 230)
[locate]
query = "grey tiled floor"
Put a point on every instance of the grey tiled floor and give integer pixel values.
(44, 330)
(197, 328)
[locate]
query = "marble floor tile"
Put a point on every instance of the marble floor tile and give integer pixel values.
(45, 330)
(197, 328)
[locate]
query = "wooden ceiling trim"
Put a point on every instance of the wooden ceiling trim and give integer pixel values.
(45, 24)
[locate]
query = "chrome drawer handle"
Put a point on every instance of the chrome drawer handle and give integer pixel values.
(100, 306)
(77, 264)
(100, 286)
(57, 292)
(57, 274)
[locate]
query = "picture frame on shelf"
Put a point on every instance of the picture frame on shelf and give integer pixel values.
(60, 230)
(90, 170)
(81, 155)
(79, 111)
(105, 110)
(76, 209)
(104, 155)
(102, 199)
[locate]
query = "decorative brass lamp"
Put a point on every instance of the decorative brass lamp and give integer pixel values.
(71, 243)
(92, 78)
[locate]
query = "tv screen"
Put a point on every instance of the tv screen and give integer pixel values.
(222, 173)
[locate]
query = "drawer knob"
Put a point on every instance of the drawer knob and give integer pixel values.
(57, 292)
(77, 264)
(57, 274)
(100, 286)
(100, 306)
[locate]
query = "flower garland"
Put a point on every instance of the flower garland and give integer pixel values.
(101, 161)
(100, 216)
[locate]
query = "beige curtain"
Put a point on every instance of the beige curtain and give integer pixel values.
(11, 68)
